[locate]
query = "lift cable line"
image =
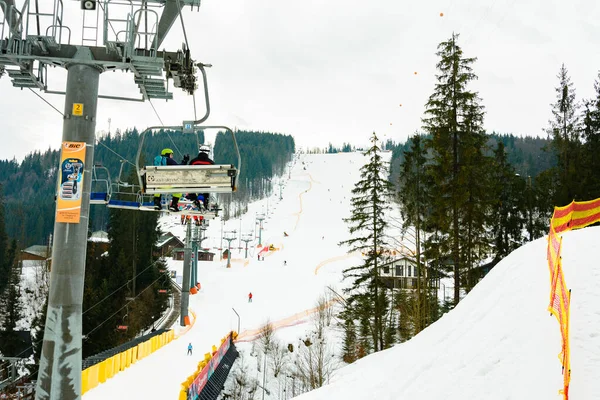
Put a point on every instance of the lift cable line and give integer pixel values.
(120, 309)
(97, 303)
(46, 101)
(114, 152)
(86, 336)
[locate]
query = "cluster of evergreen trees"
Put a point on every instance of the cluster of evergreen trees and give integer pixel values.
(464, 198)
(11, 307)
(30, 186)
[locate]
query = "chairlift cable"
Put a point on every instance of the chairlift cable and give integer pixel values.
(187, 45)
(46, 101)
(98, 326)
(126, 305)
(166, 131)
(89, 308)
(117, 154)
(121, 287)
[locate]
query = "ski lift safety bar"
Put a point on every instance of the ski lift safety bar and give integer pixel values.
(189, 178)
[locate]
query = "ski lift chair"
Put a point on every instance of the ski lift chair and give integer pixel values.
(218, 178)
(101, 186)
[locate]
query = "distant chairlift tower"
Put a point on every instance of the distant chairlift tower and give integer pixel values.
(260, 218)
(246, 238)
(33, 36)
(230, 236)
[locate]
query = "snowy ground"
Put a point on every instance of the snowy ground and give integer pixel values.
(314, 202)
(499, 343)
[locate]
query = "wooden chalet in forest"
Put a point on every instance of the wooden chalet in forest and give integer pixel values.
(100, 238)
(166, 244)
(203, 255)
(36, 253)
(402, 273)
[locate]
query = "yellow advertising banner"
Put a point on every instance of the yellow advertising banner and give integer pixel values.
(70, 184)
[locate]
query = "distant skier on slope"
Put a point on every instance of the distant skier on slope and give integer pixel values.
(250, 297)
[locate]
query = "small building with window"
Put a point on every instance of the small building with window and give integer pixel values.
(36, 252)
(402, 273)
(167, 243)
(203, 255)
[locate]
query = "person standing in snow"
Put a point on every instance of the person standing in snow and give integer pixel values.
(250, 297)
(189, 352)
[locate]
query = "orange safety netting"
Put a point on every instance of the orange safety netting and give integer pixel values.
(573, 216)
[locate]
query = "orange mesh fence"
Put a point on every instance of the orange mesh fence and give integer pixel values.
(573, 216)
(296, 319)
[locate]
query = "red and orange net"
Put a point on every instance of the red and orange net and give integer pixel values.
(573, 216)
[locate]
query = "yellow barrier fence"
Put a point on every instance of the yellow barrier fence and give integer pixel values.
(573, 216)
(99, 373)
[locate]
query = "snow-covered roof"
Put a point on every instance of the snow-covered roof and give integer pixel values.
(163, 239)
(38, 250)
(99, 236)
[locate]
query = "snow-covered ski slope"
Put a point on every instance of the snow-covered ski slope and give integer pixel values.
(314, 202)
(499, 343)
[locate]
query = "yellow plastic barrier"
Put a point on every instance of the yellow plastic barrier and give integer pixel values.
(109, 365)
(99, 373)
(116, 364)
(85, 381)
(89, 378)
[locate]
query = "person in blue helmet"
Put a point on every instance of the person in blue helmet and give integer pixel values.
(167, 159)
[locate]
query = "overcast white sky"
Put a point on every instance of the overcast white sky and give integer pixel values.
(336, 70)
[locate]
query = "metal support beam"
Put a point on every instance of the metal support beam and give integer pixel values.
(185, 284)
(168, 17)
(194, 279)
(60, 363)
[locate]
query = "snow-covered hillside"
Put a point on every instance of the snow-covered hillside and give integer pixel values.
(316, 197)
(499, 343)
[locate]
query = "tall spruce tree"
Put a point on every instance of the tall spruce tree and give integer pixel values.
(414, 200)
(453, 118)
(564, 130)
(11, 306)
(367, 298)
(591, 144)
(510, 207)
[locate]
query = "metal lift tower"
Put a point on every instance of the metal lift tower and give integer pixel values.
(116, 35)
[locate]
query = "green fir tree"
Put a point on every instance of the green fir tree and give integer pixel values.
(453, 119)
(367, 226)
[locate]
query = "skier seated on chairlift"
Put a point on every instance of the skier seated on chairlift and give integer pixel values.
(202, 159)
(166, 158)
